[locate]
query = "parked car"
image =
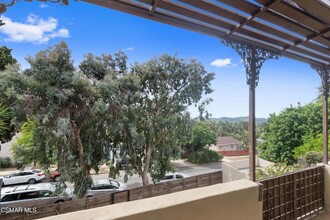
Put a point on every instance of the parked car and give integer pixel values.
(55, 175)
(33, 195)
(124, 163)
(25, 176)
(105, 186)
(173, 176)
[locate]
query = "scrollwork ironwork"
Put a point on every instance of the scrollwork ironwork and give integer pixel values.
(324, 73)
(253, 58)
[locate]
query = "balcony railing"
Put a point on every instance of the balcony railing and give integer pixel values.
(295, 195)
(118, 197)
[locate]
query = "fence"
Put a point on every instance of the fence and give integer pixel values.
(295, 195)
(118, 197)
(229, 153)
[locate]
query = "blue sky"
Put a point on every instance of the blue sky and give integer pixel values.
(35, 26)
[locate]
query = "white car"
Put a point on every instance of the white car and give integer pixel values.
(103, 186)
(173, 176)
(26, 176)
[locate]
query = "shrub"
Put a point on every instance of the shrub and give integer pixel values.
(275, 170)
(313, 157)
(205, 156)
(5, 162)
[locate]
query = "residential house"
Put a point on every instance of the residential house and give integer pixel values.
(229, 146)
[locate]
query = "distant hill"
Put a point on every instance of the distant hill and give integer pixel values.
(239, 119)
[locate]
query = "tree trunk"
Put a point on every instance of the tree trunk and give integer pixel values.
(80, 147)
(145, 180)
(60, 160)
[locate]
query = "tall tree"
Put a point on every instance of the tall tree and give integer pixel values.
(289, 130)
(5, 57)
(154, 98)
(11, 81)
(61, 102)
(202, 135)
(6, 129)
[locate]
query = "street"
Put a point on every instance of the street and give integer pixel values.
(135, 181)
(180, 166)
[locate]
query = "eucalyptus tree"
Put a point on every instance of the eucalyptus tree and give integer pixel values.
(7, 64)
(154, 102)
(62, 103)
(144, 108)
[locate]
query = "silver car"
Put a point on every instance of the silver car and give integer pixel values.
(33, 195)
(103, 186)
(173, 176)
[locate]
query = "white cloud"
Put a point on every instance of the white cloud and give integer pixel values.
(221, 62)
(43, 5)
(130, 48)
(34, 29)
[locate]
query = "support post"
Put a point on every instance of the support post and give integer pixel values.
(324, 74)
(253, 58)
(252, 116)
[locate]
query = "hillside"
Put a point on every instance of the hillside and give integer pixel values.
(239, 119)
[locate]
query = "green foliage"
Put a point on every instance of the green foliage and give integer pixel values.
(313, 157)
(275, 170)
(11, 90)
(5, 57)
(61, 102)
(29, 146)
(5, 162)
(4, 122)
(151, 109)
(288, 130)
(79, 113)
(202, 136)
(95, 67)
(205, 156)
(237, 130)
(312, 144)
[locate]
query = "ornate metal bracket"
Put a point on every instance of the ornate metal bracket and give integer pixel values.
(324, 73)
(4, 4)
(253, 57)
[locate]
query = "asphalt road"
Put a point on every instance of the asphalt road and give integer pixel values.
(180, 166)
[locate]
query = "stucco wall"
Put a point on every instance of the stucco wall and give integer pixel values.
(264, 163)
(230, 171)
(327, 187)
(237, 170)
(229, 201)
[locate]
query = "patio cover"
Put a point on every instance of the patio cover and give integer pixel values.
(299, 29)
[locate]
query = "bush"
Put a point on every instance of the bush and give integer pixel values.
(205, 156)
(5, 162)
(313, 157)
(275, 170)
